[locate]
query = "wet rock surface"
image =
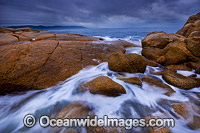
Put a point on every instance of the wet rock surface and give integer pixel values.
(105, 86)
(41, 64)
(74, 110)
(181, 81)
(132, 80)
(154, 82)
(159, 39)
(131, 62)
(186, 111)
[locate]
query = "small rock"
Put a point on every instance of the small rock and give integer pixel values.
(180, 81)
(105, 86)
(195, 124)
(74, 110)
(152, 63)
(71, 111)
(157, 83)
(132, 80)
(186, 110)
(163, 130)
(178, 67)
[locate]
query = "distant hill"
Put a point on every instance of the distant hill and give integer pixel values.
(41, 27)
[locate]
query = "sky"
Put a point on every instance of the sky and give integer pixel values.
(98, 13)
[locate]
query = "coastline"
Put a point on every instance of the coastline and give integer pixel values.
(31, 60)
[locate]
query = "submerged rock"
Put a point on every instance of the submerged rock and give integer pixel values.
(157, 129)
(195, 124)
(105, 86)
(154, 82)
(74, 110)
(180, 81)
(71, 111)
(152, 53)
(162, 130)
(187, 110)
(131, 62)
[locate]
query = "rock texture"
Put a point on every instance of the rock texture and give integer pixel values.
(154, 82)
(174, 49)
(6, 38)
(180, 81)
(49, 58)
(186, 111)
(105, 86)
(74, 110)
(131, 62)
(132, 80)
(159, 39)
(192, 24)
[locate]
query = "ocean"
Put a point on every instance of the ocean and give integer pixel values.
(128, 34)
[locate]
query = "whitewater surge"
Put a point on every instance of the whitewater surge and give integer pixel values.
(137, 103)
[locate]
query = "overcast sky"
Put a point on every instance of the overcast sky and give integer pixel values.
(98, 13)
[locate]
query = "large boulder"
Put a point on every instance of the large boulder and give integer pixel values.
(42, 64)
(131, 62)
(159, 39)
(152, 53)
(105, 86)
(173, 55)
(180, 81)
(192, 24)
(175, 52)
(193, 44)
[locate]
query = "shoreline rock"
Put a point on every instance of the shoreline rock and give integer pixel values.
(105, 86)
(49, 59)
(131, 62)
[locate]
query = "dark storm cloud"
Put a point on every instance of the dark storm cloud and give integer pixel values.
(97, 13)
